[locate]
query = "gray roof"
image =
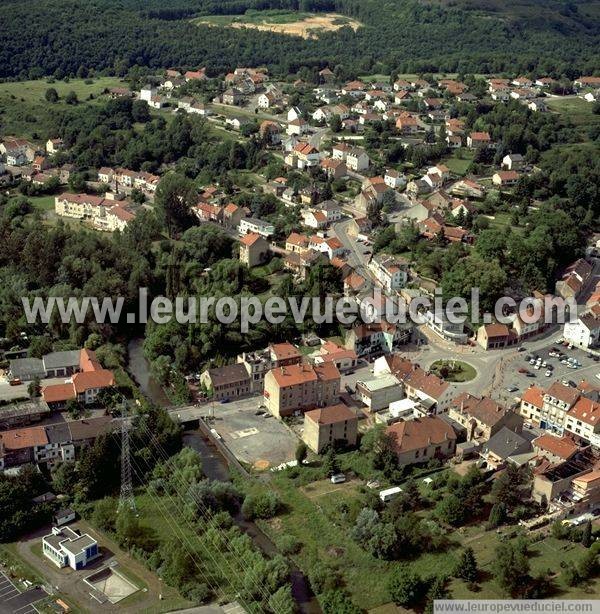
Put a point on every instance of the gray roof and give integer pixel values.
(57, 360)
(505, 443)
(27, 368)
(58, 433)
(24, 408)
(77, 545)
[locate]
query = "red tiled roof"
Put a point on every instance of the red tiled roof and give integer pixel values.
(18, 439)
(331, 414)
(420, 433)
(563, 447)
(93, 379)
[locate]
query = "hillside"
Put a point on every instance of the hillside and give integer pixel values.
(59, 36)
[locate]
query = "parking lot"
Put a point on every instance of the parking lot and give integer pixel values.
(252, 434)
(520, 373)
(13, 601)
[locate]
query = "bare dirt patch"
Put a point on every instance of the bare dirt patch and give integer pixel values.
(309, 27)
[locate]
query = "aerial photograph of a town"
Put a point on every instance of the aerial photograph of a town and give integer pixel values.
(299, 306)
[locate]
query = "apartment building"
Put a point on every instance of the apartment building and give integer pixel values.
(390, 272)
(326, 426)
(299, 387)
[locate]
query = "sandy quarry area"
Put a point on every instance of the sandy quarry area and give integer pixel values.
(310, 27)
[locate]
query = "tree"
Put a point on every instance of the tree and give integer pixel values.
(451, 509)
(586, 537)
(51, 95)
(301, 453)
(405, 587)
(511, 567)
(335, 123)
(331, 463)
(466, 568)
(282, 601)
(337, 601)
(437, 590)
(64, 478)
(71, 98)
(497, 515)
(33, 388)
(174, 198)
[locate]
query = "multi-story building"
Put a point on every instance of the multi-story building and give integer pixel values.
(379, 391)
(299, 387)
(327, 426)
(229, 382)
(482, 417)
(377, 338)
(249, 224)
(390, 272)
(585, 331)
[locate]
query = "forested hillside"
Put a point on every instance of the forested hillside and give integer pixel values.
(59, 36)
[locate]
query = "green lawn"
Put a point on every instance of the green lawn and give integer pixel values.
(255, 17)
(42, 203)
(459, 162)
(35, 90)
(459, 371)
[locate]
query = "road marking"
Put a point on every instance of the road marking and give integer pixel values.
(244, 433)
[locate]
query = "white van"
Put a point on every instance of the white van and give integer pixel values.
(338, 478)
(389, 493)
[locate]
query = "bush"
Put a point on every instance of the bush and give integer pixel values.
(288, 544)
(264, 505)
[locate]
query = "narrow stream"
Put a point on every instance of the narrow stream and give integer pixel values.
(215, 467)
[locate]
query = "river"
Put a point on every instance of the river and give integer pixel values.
(215, 467)
(139, 369)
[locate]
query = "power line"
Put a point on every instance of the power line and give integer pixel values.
(126, 498)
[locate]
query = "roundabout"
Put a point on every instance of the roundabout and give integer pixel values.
(454, 371)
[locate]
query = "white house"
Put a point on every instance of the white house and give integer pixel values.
(64, 546)
(585, 331)
(250, 224)
(390, 273)
(394, 179)
(513, 162)
(298, 127)
(147, 93)
(293, 113)
(357, 160)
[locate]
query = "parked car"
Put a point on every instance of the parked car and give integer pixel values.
(512, 388)
(338, 478)
(524, 371)
(15, 381)
(548, 373)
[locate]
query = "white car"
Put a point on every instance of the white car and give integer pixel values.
(597, 375)
(548, 374)
(338, 478)
(536, 367)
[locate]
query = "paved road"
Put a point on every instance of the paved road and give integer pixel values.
(357, 252)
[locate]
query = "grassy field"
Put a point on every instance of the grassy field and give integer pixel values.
(319, 516)
(459, 162)
(307, 25)
(42, 203)
(25, 112)
(576, 110)
(35, 90)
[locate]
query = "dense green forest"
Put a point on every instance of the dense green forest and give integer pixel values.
(40, 37)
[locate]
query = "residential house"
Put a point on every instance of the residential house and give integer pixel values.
(296, 243)
(583, 421)
(501, 446)
(304, 155)
(479, 140)
(394, 179)
(467, 188)
(574, 279)
(232, 216)
(421, 440)
(585, 331)
(495, 336)
(228, 382)
(505, 178)
(341, 357)
(428, 388)
(54, 146)
(250, 224)
(357, 160)
(328, 426)
(377, 338)
(254, 250)
(334, 168)
(390, 272)
(233, 96)
(298, 127)
(555, 449)
(532, 404)
(513, 162)
(482, 417)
